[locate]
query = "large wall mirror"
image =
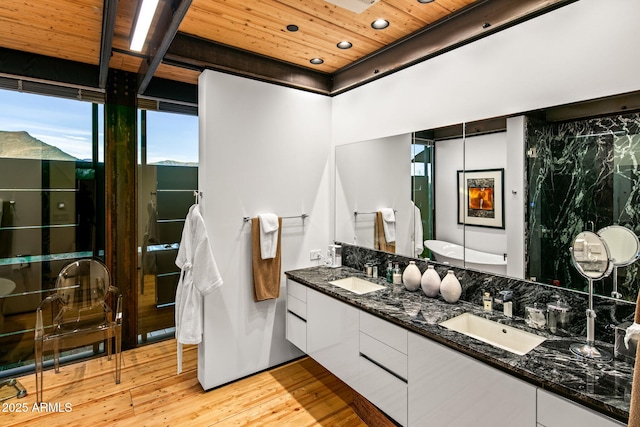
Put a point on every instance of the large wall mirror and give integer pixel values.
(459, 189)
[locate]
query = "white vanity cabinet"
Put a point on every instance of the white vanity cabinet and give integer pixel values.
(383, 366)
(556, 411)
(417, 381)
(447, 388)
(296, 327)
(332, 335)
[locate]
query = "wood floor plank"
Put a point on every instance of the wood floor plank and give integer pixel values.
(95, 379)
(103, 413)
(299, 393)
(222, 403)
(304, 406)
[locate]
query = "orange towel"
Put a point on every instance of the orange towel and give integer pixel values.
(634, 410)
(266, 272)
(380, 243)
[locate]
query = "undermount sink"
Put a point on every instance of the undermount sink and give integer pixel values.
(503, 336)
(357, 285)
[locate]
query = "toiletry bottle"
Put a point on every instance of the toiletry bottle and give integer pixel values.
(487, 302)
(389, 273)
(397, 275)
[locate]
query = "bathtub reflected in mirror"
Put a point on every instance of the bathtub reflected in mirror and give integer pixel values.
(450, 253)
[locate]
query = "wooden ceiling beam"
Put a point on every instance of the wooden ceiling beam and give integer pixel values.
(109, 13)
(165, 32)
(455, 30)
(47, 68)
(193, 52)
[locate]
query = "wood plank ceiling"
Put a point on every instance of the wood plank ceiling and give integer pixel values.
(251, 38)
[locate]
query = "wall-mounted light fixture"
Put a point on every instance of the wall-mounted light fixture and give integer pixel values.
(142, 23)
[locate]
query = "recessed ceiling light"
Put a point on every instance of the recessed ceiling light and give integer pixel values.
(344, 44)
(379, 24)
(317, 61)
(425, 1)
(292, 28)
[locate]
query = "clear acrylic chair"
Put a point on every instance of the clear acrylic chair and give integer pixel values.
(85, 309)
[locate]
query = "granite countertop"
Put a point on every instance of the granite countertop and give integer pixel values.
(602, 386)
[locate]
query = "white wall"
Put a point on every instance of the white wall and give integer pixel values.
(487, 152)
(449, 158)
(514, 191)
(263, 148)
(371, 175)
(581, 51)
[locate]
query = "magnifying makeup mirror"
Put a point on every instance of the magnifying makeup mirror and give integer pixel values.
(591, 257)
(624, 249)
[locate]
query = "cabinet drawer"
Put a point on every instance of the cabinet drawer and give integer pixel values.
(389, 358)
(384, 390)
(296, 306)
(297, 290)
(386, 332)
(556, 411)
(297, 331)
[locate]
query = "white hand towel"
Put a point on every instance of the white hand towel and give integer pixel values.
(417, 230)
(389, 224)
(268, 235)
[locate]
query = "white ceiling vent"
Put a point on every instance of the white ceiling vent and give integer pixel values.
(357, 6)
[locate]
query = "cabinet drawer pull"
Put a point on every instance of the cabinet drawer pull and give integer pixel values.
(384, 368)
(294, 314)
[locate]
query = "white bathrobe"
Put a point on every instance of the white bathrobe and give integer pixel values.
(199, 277)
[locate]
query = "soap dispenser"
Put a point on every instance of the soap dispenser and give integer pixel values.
(335, 255)
(487, 302)
(397, 275)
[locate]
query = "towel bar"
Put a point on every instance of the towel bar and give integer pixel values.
(303, 216)
(356, 213)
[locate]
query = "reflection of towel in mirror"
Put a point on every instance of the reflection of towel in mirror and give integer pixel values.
(418, 239)
(389, 224)
(380, 242)
(268, 235)
(266, 272)
(634, 409)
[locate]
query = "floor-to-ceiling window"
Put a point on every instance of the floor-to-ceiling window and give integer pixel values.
(51, 207)
(168, 181)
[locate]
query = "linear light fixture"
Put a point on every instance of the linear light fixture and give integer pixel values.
(142, 24)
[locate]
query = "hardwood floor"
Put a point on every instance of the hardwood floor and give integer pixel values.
(300, 393)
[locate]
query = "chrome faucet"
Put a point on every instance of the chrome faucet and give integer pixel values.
(506, 299)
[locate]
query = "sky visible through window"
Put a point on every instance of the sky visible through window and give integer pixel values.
(66, 124)
(171, 137)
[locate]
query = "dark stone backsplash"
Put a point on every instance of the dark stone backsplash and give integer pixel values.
(609, 312)
(581, 175)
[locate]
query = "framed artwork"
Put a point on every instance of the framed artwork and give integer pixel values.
(481, 198)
